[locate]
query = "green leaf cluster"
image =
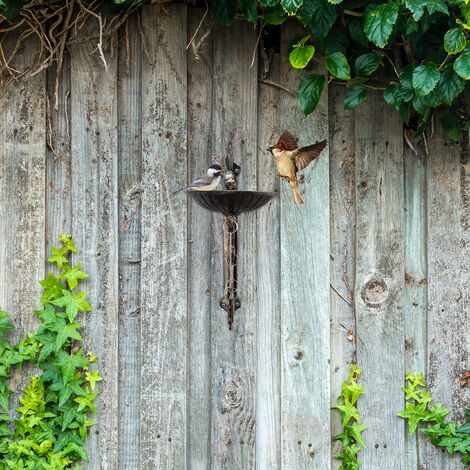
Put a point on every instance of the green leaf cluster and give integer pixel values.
(351, 437)
(449, 435)
(51, 428)
(417, 52)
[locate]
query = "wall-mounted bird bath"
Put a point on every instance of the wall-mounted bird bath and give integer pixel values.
(231, 203)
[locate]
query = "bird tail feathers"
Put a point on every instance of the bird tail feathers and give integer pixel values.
(297, 197)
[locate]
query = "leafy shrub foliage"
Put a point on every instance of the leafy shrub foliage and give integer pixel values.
(450, 436)
(52, 428)
(415, 51)
(352, 431)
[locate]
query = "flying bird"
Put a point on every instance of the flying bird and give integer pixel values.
(206, 183)
(289, 159)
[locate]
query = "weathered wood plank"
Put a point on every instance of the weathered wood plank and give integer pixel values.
(200, 63)
(305, 289)
(234, 352)
(268, 367)
(379, 285)
(164, 241)
(448, 176)
(58, 168)
(94, 181)
(22, 202)
(129, 108)
(342, 240)
(415, 280)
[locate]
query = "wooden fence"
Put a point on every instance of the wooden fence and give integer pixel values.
(381, 247)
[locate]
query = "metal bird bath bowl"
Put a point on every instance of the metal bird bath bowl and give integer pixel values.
(231, 203)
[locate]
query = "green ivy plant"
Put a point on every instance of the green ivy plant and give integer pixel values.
(449, 435)
(51, 430)
(351, 437)
(417, 52)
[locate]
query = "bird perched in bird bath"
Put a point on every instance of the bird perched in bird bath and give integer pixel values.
(207, 182)
(289, 159)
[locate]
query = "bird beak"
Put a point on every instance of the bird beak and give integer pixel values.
(270, 149)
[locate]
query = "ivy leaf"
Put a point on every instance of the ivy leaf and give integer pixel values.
(462, 64)
(93, 377)
(58, 257)
(72, 275)
(451, 124)
(414, 414)
(87, 401)
(291, 6)
(52, 288)
(78, 448)
(349, 411)
(379, 23)
(417, 7)
(406, 76)
(48, 341)
(65, 438)
(66, 389)
(396, 96)
(450, 85)
(337, 64)
(300, 56)
(223, 10)
(5, 322)
(72, 303)
(69, 331)
(367, 63)
(310, 89)
(68, 363)
(454, 41)
(437, 6)
(425, 78)
(355, 97)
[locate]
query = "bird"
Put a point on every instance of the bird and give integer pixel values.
(207, 182)
(289, 159)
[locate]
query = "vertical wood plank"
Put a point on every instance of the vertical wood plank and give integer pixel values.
(164, 241)
(58, 168)
(95, 228)
(129, 155)
(305, 289)
(22, 202)
(448, 176)
(234, 352)
(200, 87)
(22, 198)
(379, 285)
(415, 281)
(342, 261)
(268, 366)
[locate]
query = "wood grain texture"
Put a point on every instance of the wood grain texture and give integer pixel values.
(268, 353)
(164, 241)
(129, 194)
(94, 182)
(200, 66)
(415, 280)
(342, 260)
(448, 176)
(379, 289)
(305, 289)
(58, 164)
(234, 352)
(22, 203)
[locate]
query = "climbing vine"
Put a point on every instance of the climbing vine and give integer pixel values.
(448, 435)
(416, 52)
(351, 437)
(51, 429)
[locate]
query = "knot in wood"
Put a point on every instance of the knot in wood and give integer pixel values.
(232, 397)
(374, 292)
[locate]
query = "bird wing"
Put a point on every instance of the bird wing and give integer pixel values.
(194, 184)
(287, 141)
(306, 155)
